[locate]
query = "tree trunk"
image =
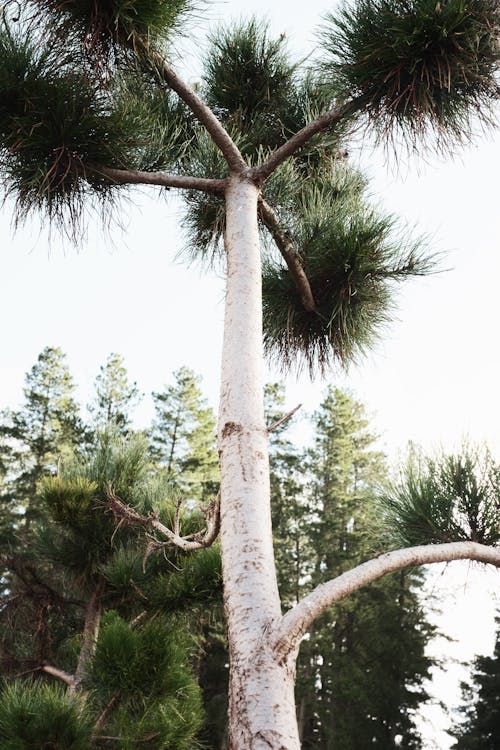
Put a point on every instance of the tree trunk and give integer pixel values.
(93, 616)
(261, 697)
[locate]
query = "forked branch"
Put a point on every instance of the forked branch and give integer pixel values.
(172, 537)
(290, 255)
(295, 623)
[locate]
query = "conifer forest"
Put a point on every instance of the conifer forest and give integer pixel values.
(221, 582)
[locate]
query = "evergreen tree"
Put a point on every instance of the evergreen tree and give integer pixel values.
(291, 510)
(115, 396)
(183, 438)
(480, 727)
(88, 105)
(43, 431)
(93, 612)
(361, 671)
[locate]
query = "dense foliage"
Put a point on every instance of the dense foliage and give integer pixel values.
(480, 725)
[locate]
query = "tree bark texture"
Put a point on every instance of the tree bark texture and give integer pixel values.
(261, 700)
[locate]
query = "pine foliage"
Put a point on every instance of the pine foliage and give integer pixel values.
(111, 26)
(416, 65)
(34, 715)
(252, 85)
(449, 499)
(351, 255)
(54, 124)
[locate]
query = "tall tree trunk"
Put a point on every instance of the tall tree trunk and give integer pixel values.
(261, 698)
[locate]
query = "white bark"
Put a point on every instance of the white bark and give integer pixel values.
(295, 623)
(262, 709)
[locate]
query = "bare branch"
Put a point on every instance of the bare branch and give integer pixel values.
(294, 624)
(65, 677)
(290, 255)
(200, 540)
(163, 179)
(326, 121)
(204, 114)
(285, 418)
(104, 716)
(35, 587)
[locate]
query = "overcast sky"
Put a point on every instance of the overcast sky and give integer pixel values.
(434, 379)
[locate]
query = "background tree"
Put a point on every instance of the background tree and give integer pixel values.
(183, 437)
(291, 510)
(480, 726)
(419, 68)
(115, 396)
(44, 430)
(33, 439)
(362, 667)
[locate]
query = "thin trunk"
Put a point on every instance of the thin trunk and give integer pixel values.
(93, 616)
(172, 445)
(261, 699)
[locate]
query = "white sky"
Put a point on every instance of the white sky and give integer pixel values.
(434, 379)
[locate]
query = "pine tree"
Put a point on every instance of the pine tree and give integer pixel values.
(480, 726)
(44, 430)
(362, 668)
(108, 620)
(183, 438)
(115, 396)
(291, 510)
(97, 106)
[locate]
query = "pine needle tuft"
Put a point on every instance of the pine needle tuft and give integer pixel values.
(422, 67)
(53, 124)
(351, 257)
(106, 28)
(453, 498)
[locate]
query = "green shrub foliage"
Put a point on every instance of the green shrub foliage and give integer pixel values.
(34, 715)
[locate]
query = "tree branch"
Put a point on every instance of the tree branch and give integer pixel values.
(65, 677)
(200, 540)
(35, 587)
(294, 624)
(284, 418)
(104, 716)
(163, 179)
(328, 120)
(204, 114)
(290, 255)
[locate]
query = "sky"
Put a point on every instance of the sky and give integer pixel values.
(432, 380)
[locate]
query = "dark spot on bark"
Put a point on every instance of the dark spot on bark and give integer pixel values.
(231, 428)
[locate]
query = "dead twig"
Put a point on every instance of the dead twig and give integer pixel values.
(199, 540)
(285, 418)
